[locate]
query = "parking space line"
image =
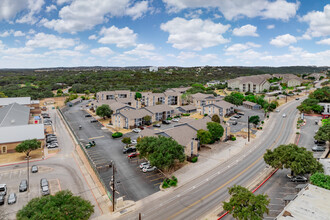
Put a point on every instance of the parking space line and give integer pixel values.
(157, 179)
(152, 175)
(95, 137)
(157, 183)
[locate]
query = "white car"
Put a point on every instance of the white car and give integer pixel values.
(52, 145)
(175, 120)
(144, 165)
(133, 142)
(137, 130)
(284, 115)
(149, 169)
(277, 110)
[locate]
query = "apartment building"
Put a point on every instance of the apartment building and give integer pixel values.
(160, 112)
(129, 119)
(112, 95)
(255, 83)
(220, 108)
(290, 79)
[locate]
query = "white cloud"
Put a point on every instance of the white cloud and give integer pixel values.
(324, 41)
(283, 40)
(186, 55)
(80, 47)
(144, 51)
(319, 22)
(85, 14)
(5, 33)
(102, 51)
(246, 30)
(235, 49)
(50, 41)
(123, 38)
(209, 57)
(232, 9)
(64, 53)
(271, 26)
(194, 34)
(18, 34)
(51, 8)
(34, 7)
(194, 14)
(92, 37)
(61, 2)
(138, 10)
(9, 8)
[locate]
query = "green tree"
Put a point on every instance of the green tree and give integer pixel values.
(27, 146)
(323, 134)
(162, 152)
(104, 111)
(310, 105)
(322, 94)
(326, 121)
(244, 205)
(321, 180)
(126, 140)
(290, 156)
(2, 95)
(235, 98)
(63, 205)
(59, 92)
(87, 92)
(138, 95)
(216, 130)
(254, 119)
(215, 118)
(147, 119)
(204, 137)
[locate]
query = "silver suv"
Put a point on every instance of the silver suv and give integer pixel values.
(3, 189)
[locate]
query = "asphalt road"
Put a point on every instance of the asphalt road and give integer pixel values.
(130, 182)
(195, 199)
(61, 171)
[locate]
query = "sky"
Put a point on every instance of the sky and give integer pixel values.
(68, 33)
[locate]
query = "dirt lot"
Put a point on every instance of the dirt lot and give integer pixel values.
(16, 157)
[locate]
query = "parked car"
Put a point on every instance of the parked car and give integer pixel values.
(43, 182)
(175, 119)
(2, 199)
(318, 148)
(236, 116)
(23, 186)
(131, 155)
(136, 130)
(297, 98)
(88, 115)
(50, 135)
(319, 142)
(12, 198)
(166, 122)
(133, 142)
(52, 145)
(46, 116)
(316, 122)
(49, 140)
(232, 118)
(144, 164)
(141, 127)
(94, 120)
(234, 123)
(34, 169)
(157, 125)
(149, 169)
(45, 190)
(284, 115)
(298, 179)
(277, 110)
(240, 113)
(129, 150)
(3, 189)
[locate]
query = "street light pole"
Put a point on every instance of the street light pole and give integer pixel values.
(28, 173)
(248, 129)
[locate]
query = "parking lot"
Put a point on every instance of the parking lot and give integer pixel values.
(307, 134)
(242, 121)
(130, 182)
(12, 179)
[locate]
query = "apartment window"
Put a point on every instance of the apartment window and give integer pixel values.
(110, 97)
(203, 103)
(4, 149)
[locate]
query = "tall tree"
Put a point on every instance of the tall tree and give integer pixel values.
(27, 146)
(126, 140)
(244, 205)
(162, 152)
(205, 137)
(104, 111)
(63, 205)
(215, 118)
(254, 119)
(147, 119)
(216, 130)
(290, 156)
(138, 95)
(323, 134)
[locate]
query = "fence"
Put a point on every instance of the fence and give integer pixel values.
(86, 155)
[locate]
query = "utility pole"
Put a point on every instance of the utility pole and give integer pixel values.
(113, 187)
(286, 98)
(28, 174)
(248, 129)
(139, 215)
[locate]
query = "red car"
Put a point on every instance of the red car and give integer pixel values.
(141, 127)
(131, 155)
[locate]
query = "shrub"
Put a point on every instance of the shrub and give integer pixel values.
(165, 184)
(185, 114)
(297, 132)
(170, 182)
(205, 115)
(262, 122)
(233, 138)
(321, 180)
(267, 116)
(117, 135)
(177, 116)
(194, 159)
(260, 128)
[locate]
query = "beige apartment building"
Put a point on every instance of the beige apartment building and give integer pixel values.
(255, 83)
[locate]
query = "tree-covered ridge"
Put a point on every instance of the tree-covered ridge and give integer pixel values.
(41, 83)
